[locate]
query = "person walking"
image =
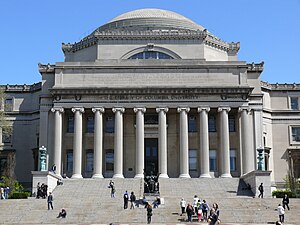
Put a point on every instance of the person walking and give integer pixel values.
(261, 190)
(280, 210)
(189, 211)
(205, 208)
(182, 205)
(286, 201)
(50, 200)
(213, 217)
(126, 198)
(112, 191)
(132, 200)
(149, 213)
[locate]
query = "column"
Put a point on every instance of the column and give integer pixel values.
(247, 152)
(118, 143)
(77, 142)
(204, 141)
(98, 142)
(184, 143)
(224, 141)
(139, 159)
(57, 138)
(162, 142)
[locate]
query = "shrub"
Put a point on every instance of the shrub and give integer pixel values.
(19, 195)
(281, 193)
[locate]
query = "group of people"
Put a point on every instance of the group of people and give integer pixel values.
(4, 192)
(201, 209)
(128, 198)
(41, 190)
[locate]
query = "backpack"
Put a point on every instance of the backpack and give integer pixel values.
(204, 206)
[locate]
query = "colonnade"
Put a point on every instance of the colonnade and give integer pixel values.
(247, 153)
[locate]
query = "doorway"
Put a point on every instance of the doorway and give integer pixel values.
(151, 156)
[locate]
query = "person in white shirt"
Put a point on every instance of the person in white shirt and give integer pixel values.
(280, 210)
(196, 199)
(182, 205)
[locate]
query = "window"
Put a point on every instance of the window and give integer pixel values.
(90, 124)
(295, 134)
(89, 161)
(212, 127)
(232, 160)
(212, 160)
(294, 103)
(150, 55)
(70, 161)
(8, 105)
(70, 125)
(110, 124)
(231, 121)
(192, 124)
(151, 119)
(109, 160)
(193, 160)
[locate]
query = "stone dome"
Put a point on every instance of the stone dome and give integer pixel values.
(150, 19)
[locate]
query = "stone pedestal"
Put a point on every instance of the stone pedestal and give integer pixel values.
(45, 177)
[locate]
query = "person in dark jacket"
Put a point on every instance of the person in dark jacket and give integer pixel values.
(149, 213)
(132, 200)
(189, 211)
(50, 200)
(286, 202)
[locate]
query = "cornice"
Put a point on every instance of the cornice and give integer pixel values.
(280, 87)
(204, 36)
(22, 88)
(46, 68)
(255, 67)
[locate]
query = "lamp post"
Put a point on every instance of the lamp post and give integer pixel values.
(43, 158)
(260, 158)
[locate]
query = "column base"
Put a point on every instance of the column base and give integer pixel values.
(76, 176)
(205, 175)
(97, 176)
(139, 175)
(118, 176)
(184, 175)
(163, 175)
(226, 175)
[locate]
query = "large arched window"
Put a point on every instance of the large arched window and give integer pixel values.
(151, 55)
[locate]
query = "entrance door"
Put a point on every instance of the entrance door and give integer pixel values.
(151, 156)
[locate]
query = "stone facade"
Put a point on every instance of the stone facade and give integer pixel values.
(154, 94)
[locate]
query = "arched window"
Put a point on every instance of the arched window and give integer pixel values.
(151, 55)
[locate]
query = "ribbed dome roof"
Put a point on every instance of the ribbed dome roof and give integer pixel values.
(150, 19)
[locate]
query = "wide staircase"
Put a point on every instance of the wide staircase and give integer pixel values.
(88, 201)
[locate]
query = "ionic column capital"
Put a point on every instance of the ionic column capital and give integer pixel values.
(80, 109)
(142, 109)
(242, 108)
(100, 109)
(165, 109)
(59, 109)
(181, 109)
(120, 109)
(203, 108)
(224, 108)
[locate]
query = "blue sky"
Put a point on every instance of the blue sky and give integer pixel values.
(32, 31)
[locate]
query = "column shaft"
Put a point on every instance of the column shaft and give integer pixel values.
(184, 143)
(57, 138)
(139, 160)
(77, 143)
(224, 142)
(98, 142)
(118, 143)
(162, 142)
(204, 141)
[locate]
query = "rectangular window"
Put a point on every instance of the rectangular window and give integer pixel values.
(8, 105)
(212, 160)
(110, 124)
(212, 127)
(193, 160)
(294, 103)
(89, 159)
(90, 124)
(231, 121)
(192, 124)
(70, 161)
(296, 134)
(70, 125)
(109, 160)
(232, 160)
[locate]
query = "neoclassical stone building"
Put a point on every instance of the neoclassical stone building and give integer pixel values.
(152, 91)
